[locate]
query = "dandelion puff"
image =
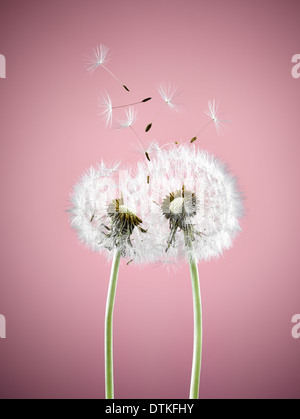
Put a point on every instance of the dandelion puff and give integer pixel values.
(214, 116)
(168, 94)
(104, 213)
(196, 215)
(98, 58)
(102, 194)
(208, 207)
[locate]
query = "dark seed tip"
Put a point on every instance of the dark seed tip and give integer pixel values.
(193, 139)
(147, 155)
(148, 127)
(146, 100)
(126, 88)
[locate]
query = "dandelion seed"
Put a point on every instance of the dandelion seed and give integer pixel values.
(106, 103)
(168, 94)
(214, 115)
(131, 116)
(148, 127)
(98, 58)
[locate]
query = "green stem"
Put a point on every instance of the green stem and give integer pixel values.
(197, 352)
(109, 370)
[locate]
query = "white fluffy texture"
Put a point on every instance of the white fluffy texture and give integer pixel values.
(219, 201)
(90, 198)
(106, 104)
(131, 116)
(168, 93)
(99, 57)
(214, 115)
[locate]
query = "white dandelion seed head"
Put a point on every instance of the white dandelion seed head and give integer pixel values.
(192, 199)
(214, 115)
(105, 214)
(98, 58)
(169, 94)
(105, 103)
(131, 117)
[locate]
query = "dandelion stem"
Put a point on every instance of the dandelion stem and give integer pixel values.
(115, 77)
(197, 351)
(131, 104)
(159, 112)
(204, 126)
(109, 372)
(148, 127)
(202, 129)
(140, 141)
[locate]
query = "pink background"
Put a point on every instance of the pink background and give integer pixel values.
(53, 290)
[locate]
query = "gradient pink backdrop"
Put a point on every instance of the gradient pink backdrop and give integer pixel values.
(53, 290)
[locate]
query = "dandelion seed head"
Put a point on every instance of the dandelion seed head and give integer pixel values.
(104, 212)
(198, 202)
(176, 206)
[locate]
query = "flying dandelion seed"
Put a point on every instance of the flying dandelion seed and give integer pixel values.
(168, 93)
(105, 103)
(98, 58)
(131, 117)
(214, 116)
